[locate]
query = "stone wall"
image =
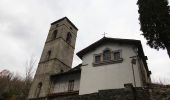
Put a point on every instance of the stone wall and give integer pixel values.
(159, 92)
(151, 92)
(127, 93)
(115, 94)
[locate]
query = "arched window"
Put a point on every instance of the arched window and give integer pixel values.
(54, 35)
(38, 89)
(106, 55)
(48, 54)
(68, 38)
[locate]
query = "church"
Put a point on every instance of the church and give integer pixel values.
(109, 63)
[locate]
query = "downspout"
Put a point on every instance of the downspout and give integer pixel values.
(133, 61)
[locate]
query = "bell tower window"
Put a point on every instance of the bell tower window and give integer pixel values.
(71, 28)
(38, 89)
(54, 35)
(68, 38)
(48, 54)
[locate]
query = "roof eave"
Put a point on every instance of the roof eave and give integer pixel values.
(67, 20)
(101, 42)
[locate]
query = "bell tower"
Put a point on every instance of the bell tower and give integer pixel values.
(56, 57)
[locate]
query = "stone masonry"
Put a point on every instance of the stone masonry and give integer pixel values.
(56, 57)
(150, 92)
(127, 93)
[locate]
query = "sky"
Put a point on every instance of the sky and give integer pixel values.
(24, 26)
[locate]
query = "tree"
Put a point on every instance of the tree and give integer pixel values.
(5, 84)
(29, 70)
(154, 16)
(15, 86)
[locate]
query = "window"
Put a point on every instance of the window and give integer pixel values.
(97, 58)
(68, 38)
(61, 70)
(48, 54)
(71, 85)
(116, 55)
(38, 89)
(54, 35)
(106, 55)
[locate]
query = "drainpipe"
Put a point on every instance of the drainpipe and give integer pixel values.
(133, 61)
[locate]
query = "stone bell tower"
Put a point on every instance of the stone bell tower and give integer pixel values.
(56, 57)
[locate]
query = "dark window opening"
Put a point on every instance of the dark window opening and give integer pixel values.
(71, 28)
(97, 58)
(71, 85)
(68, 38)
(133, 61)
(38, 89)
(116, 55)
(61, 70)
(106, 55)
(54, 35)
(48, 54)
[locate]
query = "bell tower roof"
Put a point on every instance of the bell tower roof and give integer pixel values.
(64, 19)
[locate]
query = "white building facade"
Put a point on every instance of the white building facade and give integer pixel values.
(106, 64)
(109, 66)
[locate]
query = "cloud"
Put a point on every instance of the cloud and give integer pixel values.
(25, 25)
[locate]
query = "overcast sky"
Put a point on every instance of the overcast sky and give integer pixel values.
(24, 25)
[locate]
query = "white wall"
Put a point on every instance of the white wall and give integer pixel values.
(61, 83)
(109, 76)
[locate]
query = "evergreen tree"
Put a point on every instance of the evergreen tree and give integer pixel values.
(155, 23)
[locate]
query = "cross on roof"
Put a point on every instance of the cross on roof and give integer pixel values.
(104, 34)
